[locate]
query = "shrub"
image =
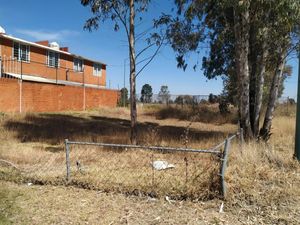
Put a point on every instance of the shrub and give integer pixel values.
(213, 98)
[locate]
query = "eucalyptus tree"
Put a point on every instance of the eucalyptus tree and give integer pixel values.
(284, 23)
(247, 41)
(123, 13)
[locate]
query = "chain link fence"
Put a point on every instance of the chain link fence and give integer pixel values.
(46, 167)
(179, 173)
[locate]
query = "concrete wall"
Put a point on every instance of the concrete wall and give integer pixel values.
(41, 97)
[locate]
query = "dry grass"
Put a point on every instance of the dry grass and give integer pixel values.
(41, 136)
(195, 175)
(206, 113)
(35, 205)
(263, 180)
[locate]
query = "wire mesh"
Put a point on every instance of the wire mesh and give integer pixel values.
(178, 174)
(43, 167)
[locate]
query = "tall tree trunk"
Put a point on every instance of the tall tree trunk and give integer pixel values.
(259, 88)
(133, 112)
(265, 131)
(253, 63)
(241, 30)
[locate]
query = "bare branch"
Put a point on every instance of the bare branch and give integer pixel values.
(123, 20)
(143, 50)
(152, 57)
(143, 60)
(142, 34)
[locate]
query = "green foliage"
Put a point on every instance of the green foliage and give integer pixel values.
(278, 19)
(224, 105)
(245, 42)
(146, 93)
(118, 12)
(115, 10)
(213, 98)
(123, 100)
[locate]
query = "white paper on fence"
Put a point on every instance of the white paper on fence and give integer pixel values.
(162, 165)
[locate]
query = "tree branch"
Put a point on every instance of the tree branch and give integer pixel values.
(143, 60)
(152, 57)
(123, 20)
(143, 50)
(142, 34)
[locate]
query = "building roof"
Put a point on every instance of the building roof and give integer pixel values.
(48, 48)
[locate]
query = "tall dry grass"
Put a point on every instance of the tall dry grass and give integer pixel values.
(263, 180)
(34, 142)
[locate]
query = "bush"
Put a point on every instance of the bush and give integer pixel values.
(201, 113)
(224, 106)
(213, 98)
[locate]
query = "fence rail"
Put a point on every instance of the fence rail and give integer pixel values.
(155, 148)
(114, 166)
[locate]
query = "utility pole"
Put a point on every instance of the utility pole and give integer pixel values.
(297, 136)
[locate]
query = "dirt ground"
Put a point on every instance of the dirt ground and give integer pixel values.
(31, 204)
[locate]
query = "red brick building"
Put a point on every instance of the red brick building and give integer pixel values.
(41, 76)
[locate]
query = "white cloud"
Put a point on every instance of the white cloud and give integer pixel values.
(39, 35)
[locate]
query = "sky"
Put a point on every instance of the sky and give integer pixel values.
(63, 20)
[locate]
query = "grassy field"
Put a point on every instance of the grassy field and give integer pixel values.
(263, 180)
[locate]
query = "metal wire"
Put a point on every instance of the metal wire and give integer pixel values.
(130, 168)
(155, 148)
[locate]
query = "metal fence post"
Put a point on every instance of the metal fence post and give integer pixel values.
(223, 167)
(67, 159)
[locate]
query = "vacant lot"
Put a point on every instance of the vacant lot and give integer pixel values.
(263, 180)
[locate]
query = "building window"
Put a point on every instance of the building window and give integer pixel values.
(97, 69)
(78, 65)
(53, 59)
(21, 52)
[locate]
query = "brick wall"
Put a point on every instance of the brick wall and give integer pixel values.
(40, 97)
(38, 67)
